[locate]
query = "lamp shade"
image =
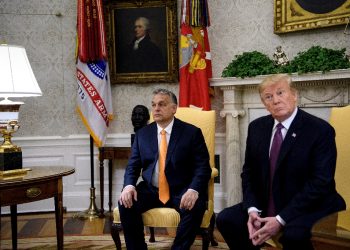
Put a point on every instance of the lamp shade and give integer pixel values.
(17, 77)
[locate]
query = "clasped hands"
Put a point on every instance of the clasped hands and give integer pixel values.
(129, 194)
(262, 229)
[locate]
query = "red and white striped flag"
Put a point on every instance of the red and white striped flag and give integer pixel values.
(94, 99)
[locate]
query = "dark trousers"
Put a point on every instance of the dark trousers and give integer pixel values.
(232, 224)
(147, 198)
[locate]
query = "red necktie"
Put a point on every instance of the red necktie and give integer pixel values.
(274, 152)
(162, 181)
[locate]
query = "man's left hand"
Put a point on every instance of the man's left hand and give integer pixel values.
(188, 199)
(271, 227)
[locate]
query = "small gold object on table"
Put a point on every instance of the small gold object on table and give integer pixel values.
(14, 174)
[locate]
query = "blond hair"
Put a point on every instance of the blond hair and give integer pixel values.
(273, 79)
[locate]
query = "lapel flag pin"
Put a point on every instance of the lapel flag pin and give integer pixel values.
(294, 135)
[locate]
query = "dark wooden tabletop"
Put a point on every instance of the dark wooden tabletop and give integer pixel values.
(35, 173)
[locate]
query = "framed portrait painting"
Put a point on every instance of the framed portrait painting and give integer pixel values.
(294, 15)
(142, 41)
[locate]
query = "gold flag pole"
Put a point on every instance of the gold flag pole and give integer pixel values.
(92, 212)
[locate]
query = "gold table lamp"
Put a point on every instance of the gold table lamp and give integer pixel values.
(17, 80)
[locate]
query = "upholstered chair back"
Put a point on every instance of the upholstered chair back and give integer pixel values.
(340, 120)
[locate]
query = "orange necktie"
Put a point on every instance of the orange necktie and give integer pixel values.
(162, 181)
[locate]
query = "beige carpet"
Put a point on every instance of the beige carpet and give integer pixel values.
(103, 242)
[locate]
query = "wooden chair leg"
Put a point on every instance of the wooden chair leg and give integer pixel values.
(205, 238)
(212, 239)
(115, 229)
(152, 238)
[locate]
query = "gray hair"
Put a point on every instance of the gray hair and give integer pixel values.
(145, 22)
(166, 92)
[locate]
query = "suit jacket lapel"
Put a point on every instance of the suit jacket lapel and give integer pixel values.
(153, 139)
(175, 135)
(265, 147)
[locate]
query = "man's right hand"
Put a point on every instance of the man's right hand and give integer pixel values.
(253, 223)
(127, 196)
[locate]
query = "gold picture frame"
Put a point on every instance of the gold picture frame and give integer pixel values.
(295, 15)
(128, 64)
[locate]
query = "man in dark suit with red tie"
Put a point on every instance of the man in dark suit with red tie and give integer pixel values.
(288, 174)
(185, 166)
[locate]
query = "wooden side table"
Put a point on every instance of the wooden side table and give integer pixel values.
(38, 184)
(332, 232)
(110, 154)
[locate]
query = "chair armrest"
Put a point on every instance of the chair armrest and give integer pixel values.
(214, 172)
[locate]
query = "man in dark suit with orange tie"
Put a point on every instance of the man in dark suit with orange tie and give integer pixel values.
(177, 178)
(288, 174)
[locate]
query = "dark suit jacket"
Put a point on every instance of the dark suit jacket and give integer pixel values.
(304, 177)
(187, 161)
(147, 58)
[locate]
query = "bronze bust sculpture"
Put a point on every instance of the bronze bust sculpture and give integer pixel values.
(139, 118)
